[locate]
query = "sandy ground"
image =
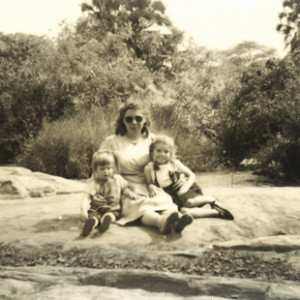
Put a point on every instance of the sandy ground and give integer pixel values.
(267, 220)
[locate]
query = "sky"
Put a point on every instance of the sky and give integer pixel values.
(215, 24)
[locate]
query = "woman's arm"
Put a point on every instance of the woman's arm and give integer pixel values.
(191, 177)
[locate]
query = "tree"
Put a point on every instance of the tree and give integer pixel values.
(143, 25)
(22, 89)
(290, 23)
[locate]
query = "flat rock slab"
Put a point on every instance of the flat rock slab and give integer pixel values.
(41, 213)
(126, 284)
(21, 183)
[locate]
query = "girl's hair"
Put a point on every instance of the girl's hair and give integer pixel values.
(164, 139)
(120, 126)
(103, 158)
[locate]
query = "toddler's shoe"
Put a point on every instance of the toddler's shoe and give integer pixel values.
(169, 223)
(105, 222)
(184, 221)
(88, 227)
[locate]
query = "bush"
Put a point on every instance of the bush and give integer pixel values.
(65, 148)
(193, 148)
(280, 159)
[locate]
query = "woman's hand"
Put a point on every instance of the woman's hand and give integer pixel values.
(153, 190)
(132, 195)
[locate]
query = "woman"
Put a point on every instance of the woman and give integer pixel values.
(130, 143)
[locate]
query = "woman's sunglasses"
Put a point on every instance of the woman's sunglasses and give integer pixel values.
(138, 119)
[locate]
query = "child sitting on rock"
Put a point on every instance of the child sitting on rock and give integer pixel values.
(101, 206)
(168, 173)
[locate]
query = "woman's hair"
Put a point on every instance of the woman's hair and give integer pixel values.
(103, 158)
(120, 126)
(164, 139)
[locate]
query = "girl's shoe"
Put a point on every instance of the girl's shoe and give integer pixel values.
(169, 223)
(185, 220)
(223, 213)
(105, 222)
(88, 227)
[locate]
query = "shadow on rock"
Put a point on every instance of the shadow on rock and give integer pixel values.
(62, 223)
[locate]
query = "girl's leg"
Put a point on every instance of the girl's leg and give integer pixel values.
(217, 212)
(199, 201)
(199, 212)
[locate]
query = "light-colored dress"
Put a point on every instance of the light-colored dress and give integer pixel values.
(132, 158)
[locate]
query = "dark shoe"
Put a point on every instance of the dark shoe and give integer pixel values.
(169, 223)
(185, 220)
(223, 213)
(88, 227)
(105, 223)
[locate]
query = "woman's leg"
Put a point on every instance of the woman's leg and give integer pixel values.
(152, 219)
(163, 222)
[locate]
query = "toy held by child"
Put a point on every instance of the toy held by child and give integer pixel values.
(102, 202)
(166, 172)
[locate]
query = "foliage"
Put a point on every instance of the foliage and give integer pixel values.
(279, 159)
(290, 23)
(145, 28)
(65, 147)
(23, 103)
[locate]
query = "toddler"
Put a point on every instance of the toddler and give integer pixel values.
(101, 205)
(167, 172)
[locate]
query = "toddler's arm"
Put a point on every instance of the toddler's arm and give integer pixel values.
(85, 205)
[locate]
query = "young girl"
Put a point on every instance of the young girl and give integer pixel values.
(168, 173)
(102, 202)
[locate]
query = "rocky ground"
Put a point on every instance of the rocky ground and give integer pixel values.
(257, 256)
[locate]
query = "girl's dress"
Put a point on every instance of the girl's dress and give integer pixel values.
(132, 158)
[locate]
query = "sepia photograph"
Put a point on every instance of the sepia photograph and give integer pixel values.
(150, 149)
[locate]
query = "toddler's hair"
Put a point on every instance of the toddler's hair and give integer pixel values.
(164, 139)
(103, 158)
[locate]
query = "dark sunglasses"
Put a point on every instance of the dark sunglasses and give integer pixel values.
(138, 119)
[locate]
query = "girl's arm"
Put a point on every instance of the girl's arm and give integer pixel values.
(152, 188)
(191, 177)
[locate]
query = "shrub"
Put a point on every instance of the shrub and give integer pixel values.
(280, 159)
(193, 147)
(65, 148)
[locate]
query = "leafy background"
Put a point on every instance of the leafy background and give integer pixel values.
(59, 98)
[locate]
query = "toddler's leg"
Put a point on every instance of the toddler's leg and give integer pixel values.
(106, 220)
(199, 201)
(90, 224)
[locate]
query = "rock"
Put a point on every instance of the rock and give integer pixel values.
(21, 183)
(283, 292)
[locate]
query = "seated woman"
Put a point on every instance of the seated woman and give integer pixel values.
(130, 144)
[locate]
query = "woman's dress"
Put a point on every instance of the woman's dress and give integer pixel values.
(132, 158)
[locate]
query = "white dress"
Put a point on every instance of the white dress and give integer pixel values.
(132, 158)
